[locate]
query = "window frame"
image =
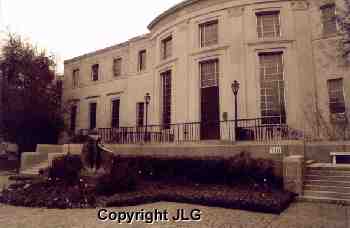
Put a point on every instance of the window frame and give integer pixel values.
(201, 26)
(142, 62)
(216, 62)
(93, 72)
(90, 116)
(140, 115)
(75, 78)
(118, 113)
(283, 110)
(333, 20)
(268, 12)
(329, 96)
(115, 61)
(166, 105)
(166, 53)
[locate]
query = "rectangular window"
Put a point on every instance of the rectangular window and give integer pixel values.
(268, 24)
(117, 67)
(166, 101)
(272, 88)
(336, 96)
(166, 49)
(94, 72)
(115, 113)
(142, 60)
(93, 110)
(209, 72)
(75, 78)
(208, 33)
(329, 21)
(73, 118)
(140, 113)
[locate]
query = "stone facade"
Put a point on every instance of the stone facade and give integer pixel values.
(309, 60)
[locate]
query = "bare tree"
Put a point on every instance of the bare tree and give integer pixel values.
(343, 19)
(326, 126)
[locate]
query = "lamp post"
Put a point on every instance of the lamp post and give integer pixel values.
(235, 88)
(147, 100)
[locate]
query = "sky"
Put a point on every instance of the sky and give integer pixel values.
(69, 28)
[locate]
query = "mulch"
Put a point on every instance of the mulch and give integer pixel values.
(49, 194)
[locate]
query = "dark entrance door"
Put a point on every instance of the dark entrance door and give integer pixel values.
(210, 113)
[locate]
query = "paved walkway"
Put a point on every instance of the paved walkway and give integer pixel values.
(299, 215)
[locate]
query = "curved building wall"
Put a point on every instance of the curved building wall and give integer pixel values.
(307, 63)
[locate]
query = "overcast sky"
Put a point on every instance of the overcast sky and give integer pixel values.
(69, 28)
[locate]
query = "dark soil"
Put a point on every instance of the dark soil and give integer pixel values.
(50, 194)
(46, 193)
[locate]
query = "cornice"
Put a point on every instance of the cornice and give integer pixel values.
(172, 10)
(111, 48)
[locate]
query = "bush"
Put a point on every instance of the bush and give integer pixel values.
(244, 168)
(66, 168)
(122, 177)
(241, 168)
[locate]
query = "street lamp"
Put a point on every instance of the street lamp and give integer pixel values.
(147, 100)
(235, 88)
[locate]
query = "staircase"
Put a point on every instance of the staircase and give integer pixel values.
(327, 182)
(36, 168)
(32, 162)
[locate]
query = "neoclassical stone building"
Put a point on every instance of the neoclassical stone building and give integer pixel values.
(283, 53)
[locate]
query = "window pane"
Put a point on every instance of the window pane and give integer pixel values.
(209, 72)
(93, 108)
(268, 24)
(209, 33)
(142, 60)
(166, 48)
(336, 96)
(115, 113)
(75, 78)
(272, 88)
(117, 67)
(94, 72)
(166, 92)
(140, 112)
(329, 21)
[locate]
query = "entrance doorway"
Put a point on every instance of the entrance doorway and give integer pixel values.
(210, 113)
(210, 108)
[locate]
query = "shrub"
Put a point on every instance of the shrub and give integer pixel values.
(66, 168)
(244, 168)
(240, 169)
(122, 178)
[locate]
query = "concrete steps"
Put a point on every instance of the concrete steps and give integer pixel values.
(35, 169)
(328, 194)
(326, 188)
(327, 183)
(32, 162)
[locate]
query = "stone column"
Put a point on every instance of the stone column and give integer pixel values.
(293, 173)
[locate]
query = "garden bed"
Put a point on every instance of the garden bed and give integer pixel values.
(239, 182)
(58, 195)
(236, 197)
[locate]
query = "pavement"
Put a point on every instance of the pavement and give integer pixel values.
(299, 215)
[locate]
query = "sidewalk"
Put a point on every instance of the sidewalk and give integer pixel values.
(299, 215)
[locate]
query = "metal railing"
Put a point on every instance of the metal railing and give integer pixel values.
(257, 129)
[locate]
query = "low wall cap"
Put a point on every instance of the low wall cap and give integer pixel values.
(93, 132)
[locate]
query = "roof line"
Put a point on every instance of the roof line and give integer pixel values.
(103, 50)
(171, 10)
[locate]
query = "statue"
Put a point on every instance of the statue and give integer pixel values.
(91, 152)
